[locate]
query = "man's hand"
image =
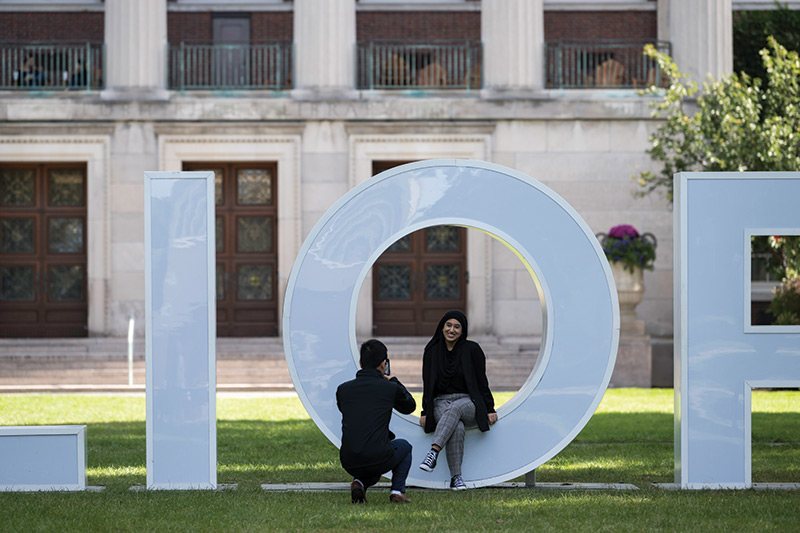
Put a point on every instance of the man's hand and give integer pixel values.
(422, 421)
(492, 418)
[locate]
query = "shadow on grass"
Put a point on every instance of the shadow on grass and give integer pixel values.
(613, 447)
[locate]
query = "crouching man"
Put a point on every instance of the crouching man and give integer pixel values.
(369, 449)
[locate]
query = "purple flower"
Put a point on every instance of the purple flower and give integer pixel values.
(622, 231)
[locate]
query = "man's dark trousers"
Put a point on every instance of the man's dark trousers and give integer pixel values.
(400, 465)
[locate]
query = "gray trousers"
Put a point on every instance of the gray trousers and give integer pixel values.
(452, 413)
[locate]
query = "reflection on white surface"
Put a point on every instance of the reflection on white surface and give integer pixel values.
(582, 321)
(721, 355)
(181, 415)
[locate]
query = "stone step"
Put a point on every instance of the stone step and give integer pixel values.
(97, 364)
(504, 373)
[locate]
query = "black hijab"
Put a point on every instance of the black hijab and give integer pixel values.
(448, 362)
(438, 335)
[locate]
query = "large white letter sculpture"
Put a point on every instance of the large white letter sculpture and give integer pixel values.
(580, 305)
(180, 302)
(719, 356)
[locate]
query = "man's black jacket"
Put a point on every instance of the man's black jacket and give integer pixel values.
(366, 404)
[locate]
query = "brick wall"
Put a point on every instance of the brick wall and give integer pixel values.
(190, 27)
(600, 25)
(275, 26)
(418, 25)
(196, 27)
(51, 26)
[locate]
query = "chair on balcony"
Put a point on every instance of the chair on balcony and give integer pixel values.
(394, 73)
(433, 75)
(609, 74)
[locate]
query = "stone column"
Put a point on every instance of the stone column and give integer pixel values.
(701, 32)
(324, 45)
(136, 49)
(513, 45)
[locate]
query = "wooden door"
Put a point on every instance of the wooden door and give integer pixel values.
(418, 279)
(43, 250)
(246, 244)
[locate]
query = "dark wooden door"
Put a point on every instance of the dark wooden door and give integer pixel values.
(246, 244)
(43, 250)
(418, 279)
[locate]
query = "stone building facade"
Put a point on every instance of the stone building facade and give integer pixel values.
(311, 136)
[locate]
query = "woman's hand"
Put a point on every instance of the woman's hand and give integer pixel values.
(492, 418)
(422, 421)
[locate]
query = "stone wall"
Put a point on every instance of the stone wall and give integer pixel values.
(324, 148)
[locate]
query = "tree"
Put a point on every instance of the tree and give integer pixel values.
(751, 30)
(738, 124)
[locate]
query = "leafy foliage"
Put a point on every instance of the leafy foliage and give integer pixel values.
(785, 305)
(751, 30)
(738, 123)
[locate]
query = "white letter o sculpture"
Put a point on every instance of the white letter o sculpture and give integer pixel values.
(581, 313)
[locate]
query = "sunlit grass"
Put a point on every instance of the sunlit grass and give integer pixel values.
(272, 440)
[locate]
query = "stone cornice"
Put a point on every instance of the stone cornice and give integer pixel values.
(562, 105)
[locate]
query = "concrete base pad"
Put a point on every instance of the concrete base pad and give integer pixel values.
(333, 487)
(220, 486)
(754, 486)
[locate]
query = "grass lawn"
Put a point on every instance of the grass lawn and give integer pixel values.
(272, 440)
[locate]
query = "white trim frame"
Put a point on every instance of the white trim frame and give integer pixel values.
(94, 151)
(79, 432)
(174, 150)
(748, 423)
(366, 148)
(748, 284)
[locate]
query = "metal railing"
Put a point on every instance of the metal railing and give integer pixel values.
(419, 65)
(55, 65)
(599, 63)
(230, 66)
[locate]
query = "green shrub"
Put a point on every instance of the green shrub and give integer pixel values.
(785, 305)
(751, 30)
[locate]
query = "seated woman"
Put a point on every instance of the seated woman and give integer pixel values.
(455, 393)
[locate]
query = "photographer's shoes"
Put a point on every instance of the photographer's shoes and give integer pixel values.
(357, 492)
(398, 498)
(429, 463)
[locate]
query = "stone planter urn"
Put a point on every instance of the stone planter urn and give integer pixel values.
(630, 288)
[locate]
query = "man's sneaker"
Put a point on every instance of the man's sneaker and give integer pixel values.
(357, 492)
(457, 483)
(429, 463)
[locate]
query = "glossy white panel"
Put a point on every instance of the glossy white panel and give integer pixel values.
(719, 356)
(39, 458)
(180, 326)
(581, 330)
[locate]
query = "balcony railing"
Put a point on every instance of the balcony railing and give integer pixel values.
(587, 64)
(46, 66)
(415, 65)
(230, 66)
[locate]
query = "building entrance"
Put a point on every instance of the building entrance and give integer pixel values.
(43, 250)
(246, 244)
